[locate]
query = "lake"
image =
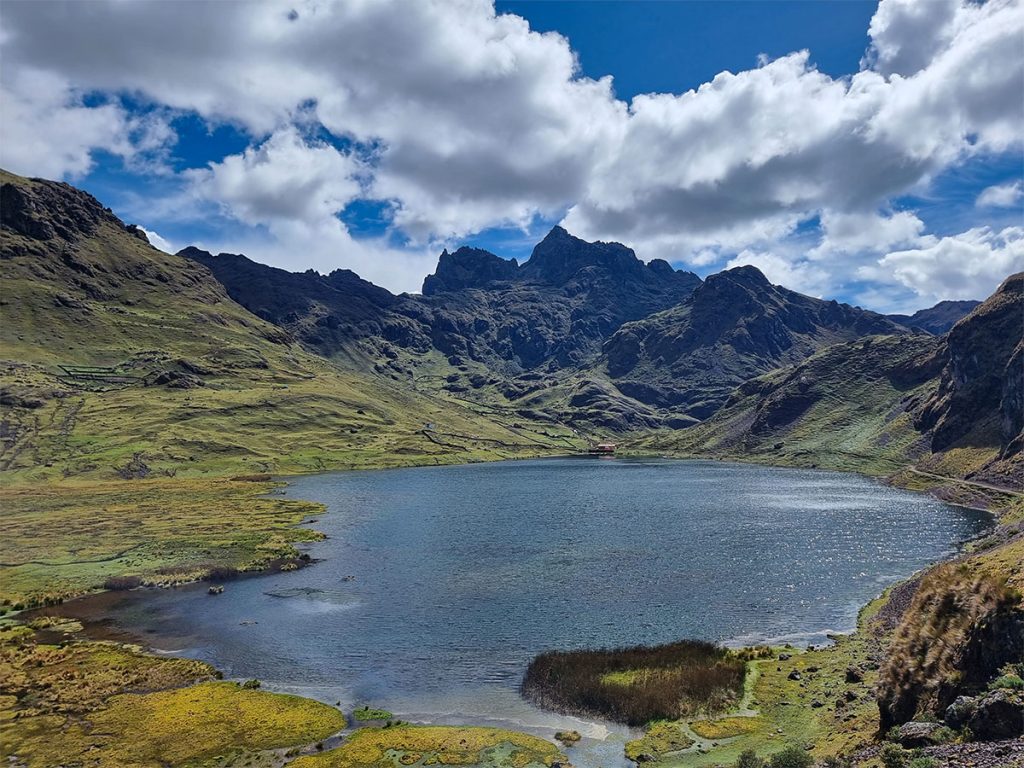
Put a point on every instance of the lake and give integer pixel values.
(436, 586)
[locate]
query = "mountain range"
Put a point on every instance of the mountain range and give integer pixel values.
(582, 340)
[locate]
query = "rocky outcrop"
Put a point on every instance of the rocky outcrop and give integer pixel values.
(980, 397)
(44, 210)
(920, 734)
(468, 268)
(993, 716)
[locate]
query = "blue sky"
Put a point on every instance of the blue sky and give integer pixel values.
(882, 166)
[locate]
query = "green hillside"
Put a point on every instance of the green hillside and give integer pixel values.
(130, 381)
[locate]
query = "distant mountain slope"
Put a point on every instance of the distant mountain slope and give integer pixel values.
(553, 312)
(582, 332)
(734, 326)
(937, 319)
(953, 405)
(181, 374)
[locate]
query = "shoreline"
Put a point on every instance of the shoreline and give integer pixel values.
(280, 482)
(127, 638)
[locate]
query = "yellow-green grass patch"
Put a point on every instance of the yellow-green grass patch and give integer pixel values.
(187, 726)
(406, 745)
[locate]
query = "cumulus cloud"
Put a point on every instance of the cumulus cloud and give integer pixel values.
(1001, 195)
(859, 233)
(459, 119)
(47, 130)
(284, 179)
(906, 33)
(970, 265)
(771, 144)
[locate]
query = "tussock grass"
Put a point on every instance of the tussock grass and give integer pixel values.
(956, 635)
(726, 727)
(636, 685)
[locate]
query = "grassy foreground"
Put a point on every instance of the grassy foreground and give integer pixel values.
(407, 745)
(107, 705)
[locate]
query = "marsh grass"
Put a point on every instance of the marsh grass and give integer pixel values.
(636, 685)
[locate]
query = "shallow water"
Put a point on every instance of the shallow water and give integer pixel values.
(437, 585)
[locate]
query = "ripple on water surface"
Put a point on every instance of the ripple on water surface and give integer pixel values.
(437, 585)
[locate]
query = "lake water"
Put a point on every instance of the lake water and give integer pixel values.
(437, 585)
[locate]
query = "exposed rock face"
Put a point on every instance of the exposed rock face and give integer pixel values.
(734, 326)
(553, 312)
(997, 715)
(916, 734)
(44, 210)
(468, 268)
(981, 392)
(937, 319)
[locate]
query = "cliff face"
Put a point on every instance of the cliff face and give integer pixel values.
(980, 397)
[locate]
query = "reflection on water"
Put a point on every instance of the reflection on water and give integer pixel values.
(437, 585)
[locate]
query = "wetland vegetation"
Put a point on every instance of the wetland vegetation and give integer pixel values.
(637, 685)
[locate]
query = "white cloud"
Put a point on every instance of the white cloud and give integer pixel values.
(860, 233)
(1001, 195)
(906, 33)
(463, 119)
(970, 265)
(48, 131)
(158, 242)
(284, 179)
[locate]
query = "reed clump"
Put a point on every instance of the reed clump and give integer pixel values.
(638, 684)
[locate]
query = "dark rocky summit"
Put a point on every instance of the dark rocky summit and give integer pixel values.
(552, 313)
(468, 268)
(44, 210)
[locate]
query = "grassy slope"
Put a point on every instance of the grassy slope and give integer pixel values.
(844, 408)
(107, 298)
(71, 521)
(436, 745)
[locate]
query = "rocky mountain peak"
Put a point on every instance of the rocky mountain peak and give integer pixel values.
(746, 275)
(560, 256)
(468, 268)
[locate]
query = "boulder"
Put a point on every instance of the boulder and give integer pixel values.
(917, 734)
(959, 713)
(997, 715)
